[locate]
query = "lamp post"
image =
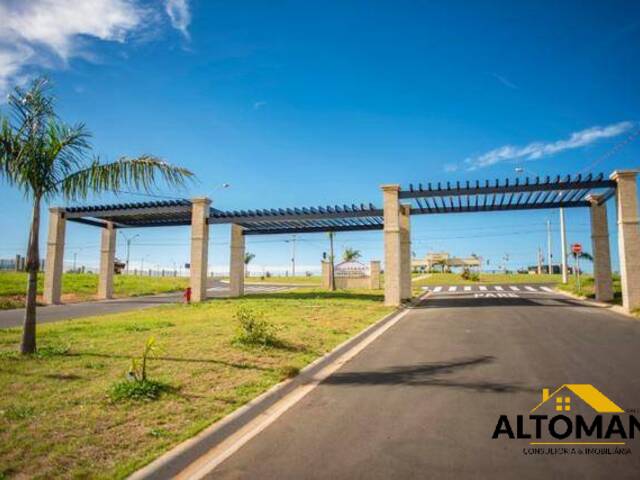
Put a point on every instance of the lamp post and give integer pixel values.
(129, 240)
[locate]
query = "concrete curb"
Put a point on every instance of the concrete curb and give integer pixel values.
(614, 308)
(186, 454)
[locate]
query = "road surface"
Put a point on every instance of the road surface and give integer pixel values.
(55, 313)
(423, 400)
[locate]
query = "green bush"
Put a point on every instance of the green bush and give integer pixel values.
(137, 386)
(254, 329)
(137, 390)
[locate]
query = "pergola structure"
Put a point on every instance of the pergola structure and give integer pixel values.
(394, 219)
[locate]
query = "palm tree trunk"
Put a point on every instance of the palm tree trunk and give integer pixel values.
(28, 344)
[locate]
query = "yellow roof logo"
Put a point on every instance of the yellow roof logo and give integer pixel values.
(586, 392)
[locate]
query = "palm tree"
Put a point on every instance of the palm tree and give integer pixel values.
(351, 254)
(45, 158)
(248, 256)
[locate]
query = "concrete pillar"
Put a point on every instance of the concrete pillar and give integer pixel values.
(55, 257)
(392, 260)
(236, 265)
(600, 249)
(199, 248)
(405, 252)
(107, 258)
(374, 275)
(628, 237)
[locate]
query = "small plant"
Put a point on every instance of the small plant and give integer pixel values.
(254, 330)
(49, 351)
(137, 386)
(18, 412)
(289, 371)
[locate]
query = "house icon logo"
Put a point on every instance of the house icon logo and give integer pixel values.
(565, 396)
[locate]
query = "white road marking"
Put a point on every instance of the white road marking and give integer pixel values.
(531, 289)
(453, 289)
(467, 288)
(498, 288)
(546, 289)
(482, 288)
(437, 289)
(514, 288)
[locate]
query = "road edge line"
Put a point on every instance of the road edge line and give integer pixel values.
(198, 455)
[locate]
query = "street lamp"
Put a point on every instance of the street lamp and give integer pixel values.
(129, 240)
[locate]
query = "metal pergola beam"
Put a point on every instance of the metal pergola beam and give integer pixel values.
(505, 207)
(488, 189)
(283, 217)
(345, 228)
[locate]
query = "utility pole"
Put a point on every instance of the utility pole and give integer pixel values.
(129, 240)
(75, 256)
(293, 255)
(563, 244)
(539, 261)
(549, 255)
(332, 277)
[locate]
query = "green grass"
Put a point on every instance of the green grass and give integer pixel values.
(83, 286)
(485, 278)
(587, 288)
(302, 280)
(62, 413)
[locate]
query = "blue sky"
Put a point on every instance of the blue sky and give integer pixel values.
(301, 103)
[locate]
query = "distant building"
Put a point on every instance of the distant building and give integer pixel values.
(443, 260)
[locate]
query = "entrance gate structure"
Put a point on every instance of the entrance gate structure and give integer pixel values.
(394, 219)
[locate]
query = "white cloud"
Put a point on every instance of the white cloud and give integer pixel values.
(538, 150)
(178, 11)
(258, 105)
(48, 33)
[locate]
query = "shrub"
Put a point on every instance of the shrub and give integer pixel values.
(289, 371)
(137, 390)
(254, 329)
(137, 386)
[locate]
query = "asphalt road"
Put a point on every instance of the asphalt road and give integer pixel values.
(56, 313)
(423, 400)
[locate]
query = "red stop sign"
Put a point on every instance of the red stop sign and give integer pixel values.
(576, 248)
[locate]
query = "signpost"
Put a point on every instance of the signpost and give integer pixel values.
(576, 248)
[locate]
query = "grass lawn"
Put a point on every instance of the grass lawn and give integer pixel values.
(302, 280)
(83, 286)
(57, 420)
(485, 278)
(587, 288)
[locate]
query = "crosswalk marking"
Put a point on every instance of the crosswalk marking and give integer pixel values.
(474, 288)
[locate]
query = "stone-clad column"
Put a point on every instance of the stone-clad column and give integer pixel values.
(392, 267)
(236, 264)
(55, 255)
(405, 252)
(199, 248)
(628, 237)
(601, 251)
(107, 258)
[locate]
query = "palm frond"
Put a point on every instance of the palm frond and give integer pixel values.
(126, 173)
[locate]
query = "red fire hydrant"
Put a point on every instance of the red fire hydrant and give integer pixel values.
(187, 295)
